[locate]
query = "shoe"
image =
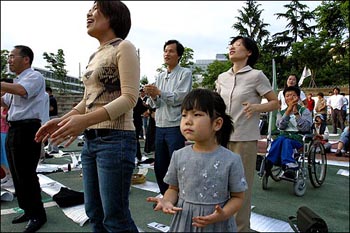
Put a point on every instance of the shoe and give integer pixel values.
(289, 173)
(53, 152)
(292, 165)
(48, 156)
(20, 218)
(34, 225)
(338, 153)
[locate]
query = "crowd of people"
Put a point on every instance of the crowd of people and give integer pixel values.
(206, 184)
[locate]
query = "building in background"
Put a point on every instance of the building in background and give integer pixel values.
(204, 63)
(70, 84)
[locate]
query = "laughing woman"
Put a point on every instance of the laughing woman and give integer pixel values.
(111, 85)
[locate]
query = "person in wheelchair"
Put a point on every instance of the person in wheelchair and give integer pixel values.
(292, 121)
(321, 132)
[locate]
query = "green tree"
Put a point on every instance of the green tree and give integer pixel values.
(4, 71)
(330, 20)
(56, 65)
(313, 53)
(144, 80)
(213, 71)
(297, 15)
(250, 24)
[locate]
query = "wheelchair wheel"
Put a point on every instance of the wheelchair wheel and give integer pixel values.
(317, 164)
(265, 178)
(299, 187)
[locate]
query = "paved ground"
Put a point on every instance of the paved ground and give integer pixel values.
(331, 201)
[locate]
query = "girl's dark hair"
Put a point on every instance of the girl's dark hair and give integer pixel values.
(179, 47)
(251, 46)
(320, 94)
(118, 15)
(212, 103)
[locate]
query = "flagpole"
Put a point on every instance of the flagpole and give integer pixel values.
(272, 114)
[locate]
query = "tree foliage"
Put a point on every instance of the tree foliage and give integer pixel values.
(213, 71)
(4, 70)
(56, 64)
(144, 80)
(312, 53)
(250, 23)
(329, 22)
(297, 16)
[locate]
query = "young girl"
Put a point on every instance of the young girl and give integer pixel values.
(206, 180)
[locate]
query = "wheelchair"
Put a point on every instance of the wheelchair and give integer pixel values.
(312, 163)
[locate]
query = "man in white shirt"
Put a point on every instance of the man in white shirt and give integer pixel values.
(336, 103)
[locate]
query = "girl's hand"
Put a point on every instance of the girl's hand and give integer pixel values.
(217, 216)
(166, 206)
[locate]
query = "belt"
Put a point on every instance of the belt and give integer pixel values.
(94, 133)
(23, 122)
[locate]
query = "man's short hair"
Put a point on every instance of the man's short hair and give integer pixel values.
(179, 47)
(7, 80)
(48, 89)
(292, 88)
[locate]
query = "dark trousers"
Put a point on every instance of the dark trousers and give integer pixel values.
(150, 135)
(23, 155)
(337, 118)
(167, 140)
(138, 130)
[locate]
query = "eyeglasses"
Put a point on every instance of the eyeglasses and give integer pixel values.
(236, 44)
(11, 57)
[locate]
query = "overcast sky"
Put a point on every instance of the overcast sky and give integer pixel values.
(204, 26)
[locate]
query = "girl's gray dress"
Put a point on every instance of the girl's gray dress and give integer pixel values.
(204, 180)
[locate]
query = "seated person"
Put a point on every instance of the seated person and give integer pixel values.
(321, 132)
(290, 121)
(343, 143)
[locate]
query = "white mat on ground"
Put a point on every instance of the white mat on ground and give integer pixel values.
(258, 223)
(261, 223)
(51, 187)
(148, 185)
(338, 163)
(343, 172)
(75, 165)
(60, 154)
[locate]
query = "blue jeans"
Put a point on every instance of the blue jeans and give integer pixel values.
(108, 163)
(281, 150)
(344, 137)
(167, 140)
